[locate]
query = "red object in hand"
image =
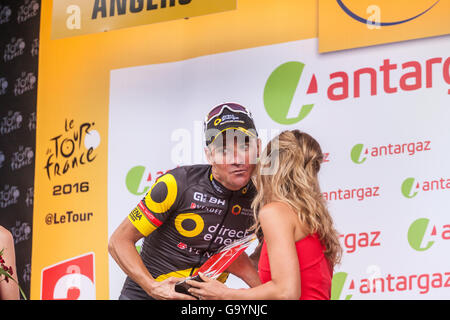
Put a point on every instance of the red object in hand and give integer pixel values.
(219, 262)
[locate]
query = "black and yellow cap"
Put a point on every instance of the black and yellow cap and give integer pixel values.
(228, 116)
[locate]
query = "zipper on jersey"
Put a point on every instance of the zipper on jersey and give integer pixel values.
(198, 265)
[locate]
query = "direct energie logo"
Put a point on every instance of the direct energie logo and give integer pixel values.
(280, 89)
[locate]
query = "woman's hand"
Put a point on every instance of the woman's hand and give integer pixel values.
(210, 289)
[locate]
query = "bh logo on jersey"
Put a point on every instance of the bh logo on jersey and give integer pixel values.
(73, 279)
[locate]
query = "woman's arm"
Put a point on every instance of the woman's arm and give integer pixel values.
(244, 268)
(8, 290)
(278, 223)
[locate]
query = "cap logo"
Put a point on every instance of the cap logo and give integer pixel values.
(229, 117)
(217, 121)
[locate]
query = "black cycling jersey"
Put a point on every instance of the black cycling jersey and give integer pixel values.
(186, 217)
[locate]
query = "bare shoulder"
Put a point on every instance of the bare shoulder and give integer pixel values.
(280, 213)
(5, 236)
(277, 212)
(277, 208)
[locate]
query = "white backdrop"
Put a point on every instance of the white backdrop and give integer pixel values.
(156, 114)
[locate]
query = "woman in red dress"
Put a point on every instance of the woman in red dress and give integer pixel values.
(300, 246)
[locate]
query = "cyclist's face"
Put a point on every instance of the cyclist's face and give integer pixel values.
(233, 162)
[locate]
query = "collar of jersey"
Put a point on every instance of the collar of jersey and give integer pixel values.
(223, 191)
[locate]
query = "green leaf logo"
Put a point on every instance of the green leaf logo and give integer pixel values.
(337, 285)
(280, 89)
(355, 154)
(133, 180)
(407, 187)
(416, 232)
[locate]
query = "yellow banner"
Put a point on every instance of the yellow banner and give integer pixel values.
(74, 18)
(345, 24)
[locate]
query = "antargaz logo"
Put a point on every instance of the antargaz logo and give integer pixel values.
(407, 188)
(280, 89)
(138, 176)
(416, 233)
(411, 187)
(360, 153)
(419, 232)
(337, 286)
(134, 178)
(356, 152)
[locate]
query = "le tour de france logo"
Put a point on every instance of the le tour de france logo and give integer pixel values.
(376, 20)
(73, 147)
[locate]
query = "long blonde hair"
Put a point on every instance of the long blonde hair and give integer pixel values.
(287, 172)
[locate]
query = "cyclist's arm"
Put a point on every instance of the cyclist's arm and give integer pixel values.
(145, 218)
(122, 248)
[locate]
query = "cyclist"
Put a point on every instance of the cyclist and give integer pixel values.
(192, 211)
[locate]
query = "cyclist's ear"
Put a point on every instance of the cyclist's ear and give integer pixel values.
(209, 156)
(258, 149)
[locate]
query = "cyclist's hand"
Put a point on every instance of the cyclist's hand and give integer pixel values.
(165, 290)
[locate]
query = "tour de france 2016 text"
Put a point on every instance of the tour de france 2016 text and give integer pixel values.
(69, 188)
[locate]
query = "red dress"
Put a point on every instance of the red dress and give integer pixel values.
(315, 271)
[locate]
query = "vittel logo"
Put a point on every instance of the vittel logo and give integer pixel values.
(13, 49)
